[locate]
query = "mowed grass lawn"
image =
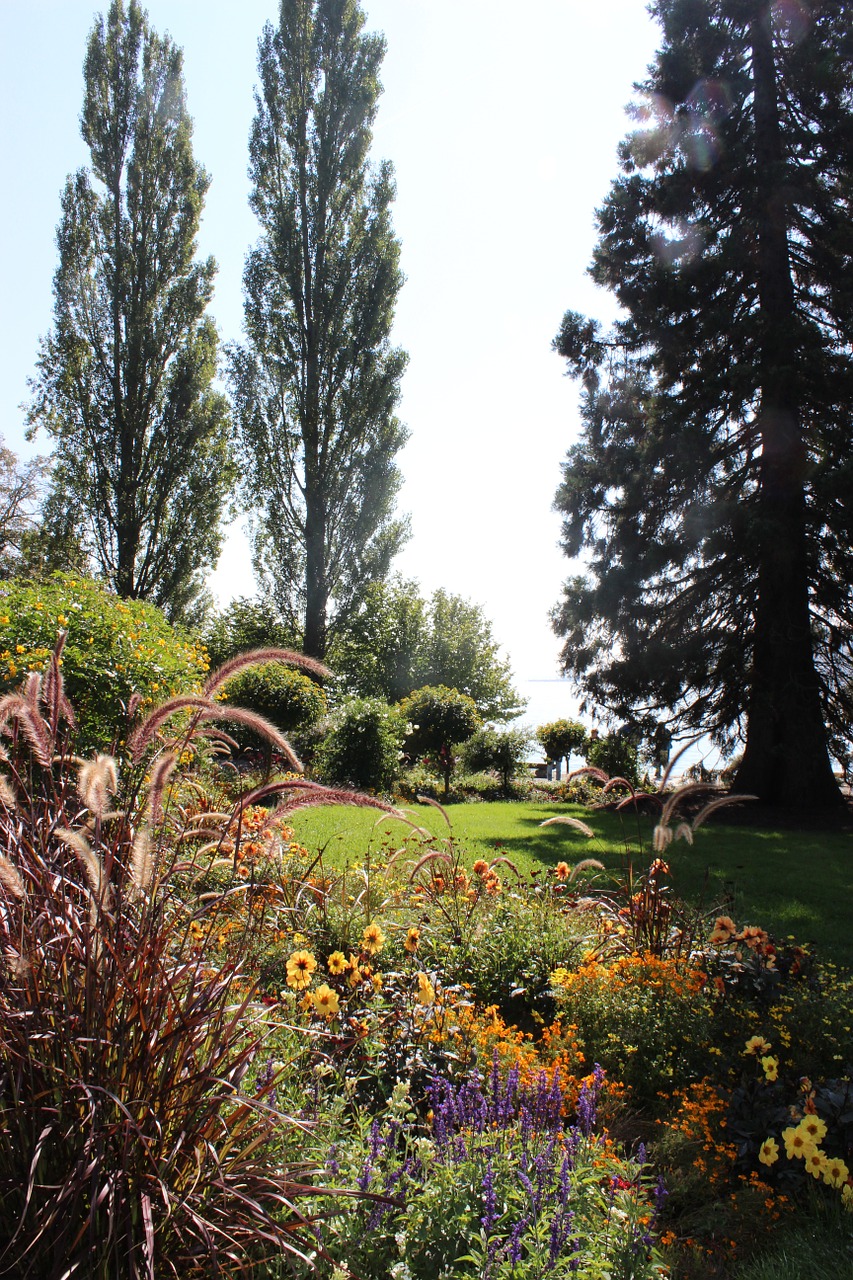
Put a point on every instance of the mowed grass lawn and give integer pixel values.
(791, 882)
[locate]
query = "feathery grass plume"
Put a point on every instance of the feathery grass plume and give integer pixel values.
(53, 689)
(7, 793)
(684, 832)
(134, 702)
(673, 760)
(34, 728)
(506, 862)
(434, 855)
(10, 880)
(317, 795)
(676, 798)
(662, 838)
(585, 864)
(206, 710)
(719, 803)
(619, 781)
(141, 861)
(589, 771)
(96, 781)
(565, 821)
(160, 775)
(435, 805)
(90, 862)
(256, 658)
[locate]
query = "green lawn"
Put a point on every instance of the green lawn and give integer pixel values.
(790, 882)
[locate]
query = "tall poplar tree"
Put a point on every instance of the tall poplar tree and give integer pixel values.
(711, 491)
(317, 385)
(125, 378)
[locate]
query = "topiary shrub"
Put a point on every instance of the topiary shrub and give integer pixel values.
(502, 750)
(363, 746)
(289, 699)
(115, 648)
(439, 719)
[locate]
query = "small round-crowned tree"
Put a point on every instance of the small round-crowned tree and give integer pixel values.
(439, 719)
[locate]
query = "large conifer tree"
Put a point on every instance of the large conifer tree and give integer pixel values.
(711, 492)
(317, 387)
(125, 377)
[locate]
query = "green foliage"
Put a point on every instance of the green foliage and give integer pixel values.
(289, 699)
(440, 719)
(708, 497)
(363, 746)
(398, 641)
(503, 750)
(317, 387)
(615, 755)
(244, 624)
(126, 377)
(559, 739)
(115, 648)
(20, 486)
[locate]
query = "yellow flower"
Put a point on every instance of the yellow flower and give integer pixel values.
(768, 1152)
(354, 975)
(62, 620)
(426, 991)
(815, 1163)
(326, 1001)
(847, 1196)
(814, 1128)
(413, 938)
(373, 939)
(771, 1068)
(376, 979)
(19, 648)
(835, 1172)
(300, 967)
(757, 1045)
(797, 1144)
(336, 963)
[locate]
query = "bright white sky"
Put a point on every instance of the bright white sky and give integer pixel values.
(502, 122)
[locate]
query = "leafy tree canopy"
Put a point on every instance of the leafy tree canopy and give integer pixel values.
(317, 386)
(398, 641)
(125, 378)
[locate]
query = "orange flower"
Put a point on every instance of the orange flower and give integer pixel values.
(413, 938)
(562, 871)
(480, 867)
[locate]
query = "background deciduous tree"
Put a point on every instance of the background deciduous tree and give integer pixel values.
(125, 378)
(398, 641)
(317, 386)
(712, 488)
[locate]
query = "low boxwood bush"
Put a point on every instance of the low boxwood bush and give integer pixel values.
(363, 746)
(289, 699)
(115, 648)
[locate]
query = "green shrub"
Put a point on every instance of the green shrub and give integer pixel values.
(289, 699)
(502, 750)
(560, 738)
(615, 755)
(439, 719)
(115, 648)
(363, 746)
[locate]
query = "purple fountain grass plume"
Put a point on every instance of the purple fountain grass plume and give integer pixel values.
(207, 710)
(33, 726)
(719, 803)
(619, 781)
(10, 881)
(256, 658)
(53, 689)
(160, 775)
(566, 821)
(589, 771)
(8, 797)
(97, 780)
